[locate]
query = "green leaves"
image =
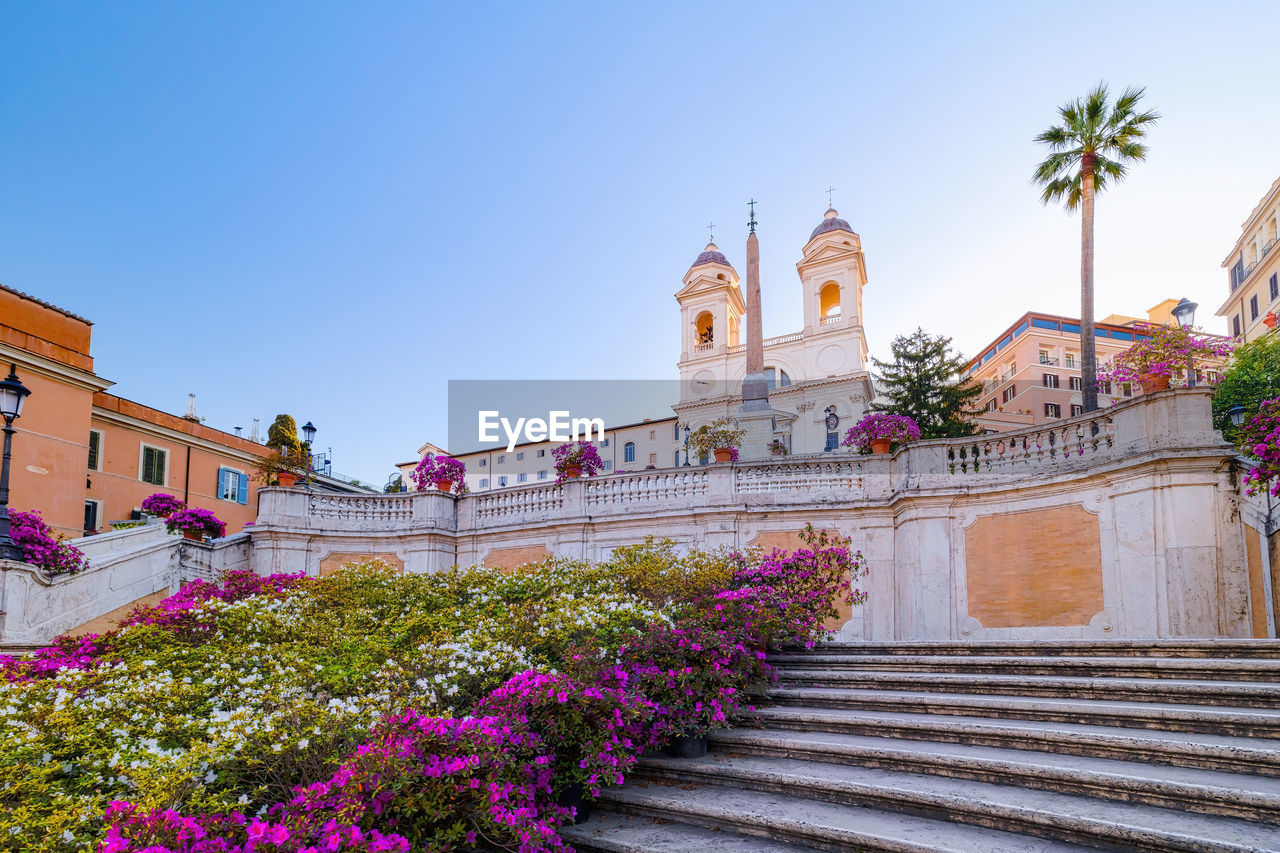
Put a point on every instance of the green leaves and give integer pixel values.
(920, 382)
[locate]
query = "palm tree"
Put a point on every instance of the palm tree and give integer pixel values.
(1091, 147)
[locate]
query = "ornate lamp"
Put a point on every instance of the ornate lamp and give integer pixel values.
(1185, 313)
(12, 395)
(308, 433)
(1236, 413)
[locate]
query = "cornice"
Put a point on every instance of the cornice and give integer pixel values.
(169, 434)
(55, 370)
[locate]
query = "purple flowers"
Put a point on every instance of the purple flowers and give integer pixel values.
(881, 426)
(442, 472)
(577, 458)
(39, 547)
(197, 521)
(1168, 349)
(161, 505)
(1260, 438)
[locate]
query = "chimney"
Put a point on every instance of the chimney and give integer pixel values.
(238, 429)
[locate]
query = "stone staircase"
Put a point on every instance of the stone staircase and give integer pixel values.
(989, 748)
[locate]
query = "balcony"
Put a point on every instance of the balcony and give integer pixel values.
(1052, 362)
(829, 321)
(707, 347)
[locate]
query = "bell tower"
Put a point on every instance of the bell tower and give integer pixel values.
(832, 273)
(711, 310)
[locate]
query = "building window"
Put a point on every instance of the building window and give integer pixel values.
(1051, 380)
(991, 404)
(606, 442)
(502, 459)
(1052, 410)
(151, 467)
(542, 452)
(502, 481)
(653, 459)
(1104, 388)
(1076, 409)
(675, 427)
(233, 485)
(483, 463)
(520, 456)
(653, 435)
(1071, 359)
(522, 478)
(484, 483)
(1009, 393)
(776, 378)
(1126, 389)
(675, 463)
(1275, 286)
(1235, 326)
(608, 465)
(95, 450)
(629, 452)
(542, 475)
(1076, 384)
(92, 516)
(1253, 307)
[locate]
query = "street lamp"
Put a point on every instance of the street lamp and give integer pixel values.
(1236, 413)
(1185, 313)
(12, 395)
(308, 433)
(686, 445)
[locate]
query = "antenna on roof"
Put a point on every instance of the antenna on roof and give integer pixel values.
(191, 408)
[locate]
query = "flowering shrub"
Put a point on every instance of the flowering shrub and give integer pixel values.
(1260, 439)
(720, 434)
(880, 426)
(39, 546)
(161, 505)
(196, 520)
(433, 470)
(581, 456)
(374, 711)
(1167, 349)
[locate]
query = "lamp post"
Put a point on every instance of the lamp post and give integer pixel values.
(12, 395)
(1185, 313)
(1236, 413)
(308, 436)
(686, 445)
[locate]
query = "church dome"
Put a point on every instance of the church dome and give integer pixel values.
(831, 221)
(711, 255)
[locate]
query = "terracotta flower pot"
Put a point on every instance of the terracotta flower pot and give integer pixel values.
(1151, 383)
(573, 473)
(880, 446)
(444, 485)
(192, 535)
(286, 479)
(724, 454)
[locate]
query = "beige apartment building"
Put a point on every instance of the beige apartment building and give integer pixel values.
(1030, 373)
(1253, 271)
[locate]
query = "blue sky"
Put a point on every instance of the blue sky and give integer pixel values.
(332, 209)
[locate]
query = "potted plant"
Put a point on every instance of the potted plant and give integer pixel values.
(777, 448)
(1151, 362)
(1260, 440)
(878, 432)
(161, 505)
(196, 524)
(443, 472)
(577, 459)
(283, 467)
(721, 437)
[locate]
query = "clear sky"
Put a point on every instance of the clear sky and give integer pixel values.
(332, 209)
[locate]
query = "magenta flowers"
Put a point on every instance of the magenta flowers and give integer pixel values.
(1260, 439)
(201, 522)
(577, 458)
(1167, 350)
(161, 505)
(40, 547)
(881, 426)
(439, 471)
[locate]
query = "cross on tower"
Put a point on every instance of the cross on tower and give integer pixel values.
(711, 226)
(752, 221)
(830, 190)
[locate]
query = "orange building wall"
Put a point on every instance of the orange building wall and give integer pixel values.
(27, 316)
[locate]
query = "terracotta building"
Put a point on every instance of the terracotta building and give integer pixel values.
(85, 458)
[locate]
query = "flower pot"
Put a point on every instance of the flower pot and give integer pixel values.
(286, 479)
(880, 446)
(444, 485)
(574, 796)
(1151, 383)
(573, 473)
(687, 746)
(193, 535)
(1270, 320)
(724, 454)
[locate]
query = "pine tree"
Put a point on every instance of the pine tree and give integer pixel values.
(920, 382)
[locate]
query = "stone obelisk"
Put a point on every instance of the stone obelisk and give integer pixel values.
(755, 416)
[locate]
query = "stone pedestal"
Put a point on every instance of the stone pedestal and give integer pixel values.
(758, 426)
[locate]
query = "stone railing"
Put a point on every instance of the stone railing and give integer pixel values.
(646, 487)
(534, 501)
(376, 508)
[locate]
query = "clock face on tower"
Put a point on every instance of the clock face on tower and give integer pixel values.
(833, 421)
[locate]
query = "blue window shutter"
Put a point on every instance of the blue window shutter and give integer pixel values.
(244, 490)
(222, 482)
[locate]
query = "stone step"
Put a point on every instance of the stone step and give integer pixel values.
(794, 822)
(615, 832)
(1214, 792)
(1256, 756)
(1097, 666)
(1063, 817)
(1075, 648)
(1183, 691)
(1159, 716)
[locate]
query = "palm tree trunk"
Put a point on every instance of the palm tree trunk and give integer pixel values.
(1088, 356)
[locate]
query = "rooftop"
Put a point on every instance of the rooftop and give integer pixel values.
(43, 304)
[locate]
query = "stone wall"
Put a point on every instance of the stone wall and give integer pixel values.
(1125, 523)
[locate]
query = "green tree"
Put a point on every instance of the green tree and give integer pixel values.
(283, 435)
(1252, 376)
(1091, 148)
(920, 382)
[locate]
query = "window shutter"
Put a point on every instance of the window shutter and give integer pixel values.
(224, 475)
(159, 466)
(243, 494)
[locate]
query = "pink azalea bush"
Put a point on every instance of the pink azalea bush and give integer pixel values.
(40, 547)
(1168, 349)
(161, 505)
(435, 469)
(1260, 439)
(196, 520)
(580, 455)
(876, 426)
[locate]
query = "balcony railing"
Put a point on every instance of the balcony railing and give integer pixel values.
(1044, 359)
(707, 347)
(829, 321)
